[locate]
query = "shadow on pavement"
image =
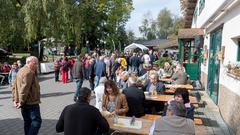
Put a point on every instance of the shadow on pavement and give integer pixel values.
(55, 94)
(42, 78)
(5, 92)
(15, 127)
(4, 87)
(1, 98)
(210, 123)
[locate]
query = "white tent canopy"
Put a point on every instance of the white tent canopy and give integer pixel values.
(133, 46)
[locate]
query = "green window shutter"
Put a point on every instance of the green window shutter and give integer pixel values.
(201, 6)
(238, 52)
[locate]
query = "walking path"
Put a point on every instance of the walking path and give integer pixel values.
(55, 96)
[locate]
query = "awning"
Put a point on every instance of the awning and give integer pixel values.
(189, 33)
(134, 46)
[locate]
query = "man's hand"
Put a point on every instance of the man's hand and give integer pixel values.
(113, 113)
(14, 103)
(19, 105)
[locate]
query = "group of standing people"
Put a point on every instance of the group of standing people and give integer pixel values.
(8, 72)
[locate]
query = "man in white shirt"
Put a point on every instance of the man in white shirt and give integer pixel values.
(99, 91)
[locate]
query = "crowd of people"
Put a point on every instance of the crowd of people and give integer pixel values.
(8, 72)
(119, 82)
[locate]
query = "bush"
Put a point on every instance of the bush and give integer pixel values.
(162, 60)
(84, 50)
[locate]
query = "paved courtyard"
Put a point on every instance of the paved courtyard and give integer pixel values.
(55, 96)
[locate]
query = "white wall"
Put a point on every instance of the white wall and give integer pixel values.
(211, 6)
(231, 31)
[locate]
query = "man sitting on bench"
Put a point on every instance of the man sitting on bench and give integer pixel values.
(175, 123)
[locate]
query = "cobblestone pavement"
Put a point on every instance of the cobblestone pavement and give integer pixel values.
(55, 96)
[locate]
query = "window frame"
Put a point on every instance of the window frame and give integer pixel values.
(238, 50)
(201, 6)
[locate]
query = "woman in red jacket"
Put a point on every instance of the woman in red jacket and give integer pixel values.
(64, 69)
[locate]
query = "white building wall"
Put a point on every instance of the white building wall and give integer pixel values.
(211, 6)
(230, 33)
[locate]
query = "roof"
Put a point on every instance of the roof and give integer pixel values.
(189, 33)
(188, 8)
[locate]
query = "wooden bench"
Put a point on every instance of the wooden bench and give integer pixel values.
(169, 91)
(197, 121)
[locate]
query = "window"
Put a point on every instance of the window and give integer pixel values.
(201, 6)
(238, 52)
(195, 14)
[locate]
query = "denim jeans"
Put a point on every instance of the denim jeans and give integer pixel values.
(79, 85)
(134, 69)
(91, 81)
(32, 119)
(97, 81)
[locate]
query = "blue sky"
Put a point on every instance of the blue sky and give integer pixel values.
(141, 7)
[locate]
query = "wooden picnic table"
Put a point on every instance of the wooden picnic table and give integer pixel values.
(145, 129)
(165, 98)
(165, 80)
(174, 86)
(169, 91)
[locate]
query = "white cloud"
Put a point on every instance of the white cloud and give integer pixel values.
(154, 6)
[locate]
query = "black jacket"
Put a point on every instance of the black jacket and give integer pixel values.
(81, 119)
(135, 61)
(135, 98)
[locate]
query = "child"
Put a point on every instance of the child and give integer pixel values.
(13, 74)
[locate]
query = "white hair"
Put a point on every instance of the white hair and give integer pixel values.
(31, 58)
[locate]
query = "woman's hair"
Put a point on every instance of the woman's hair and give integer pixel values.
(184, 93)
(113, 85)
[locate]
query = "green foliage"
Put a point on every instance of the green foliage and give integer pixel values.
(148, 27)
(165, 25)
(165, 22)
(87, 22)
(162, 60)
(84, 50)
(130, 37)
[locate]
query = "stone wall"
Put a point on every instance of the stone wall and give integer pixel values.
(229, 105)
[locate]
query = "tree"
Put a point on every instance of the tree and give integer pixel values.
(165, 23)
(11, 24)
(81, 22)
(148, 27)
(178, 23)
(130, 36)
